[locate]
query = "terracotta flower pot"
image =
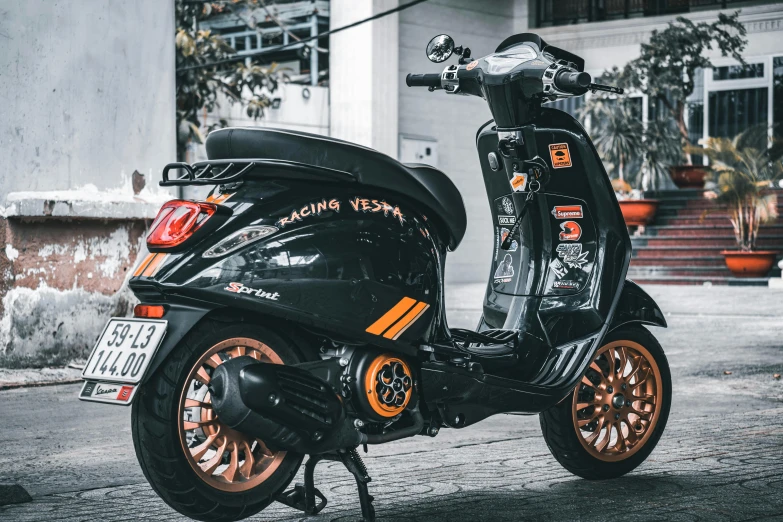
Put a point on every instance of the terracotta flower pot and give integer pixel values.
(688, 176)
(749, 264)
(638, 212)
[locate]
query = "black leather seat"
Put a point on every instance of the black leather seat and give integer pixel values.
(421, 183)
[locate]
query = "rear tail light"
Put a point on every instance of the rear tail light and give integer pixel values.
(239, 239)
(177, 221)
(150, 311)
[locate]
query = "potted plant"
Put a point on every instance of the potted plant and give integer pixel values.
(637, 211)
(745, 169)
(667, 67)
(632, 153)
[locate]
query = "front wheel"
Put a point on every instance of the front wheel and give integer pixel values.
(618, 411)
(199, 466)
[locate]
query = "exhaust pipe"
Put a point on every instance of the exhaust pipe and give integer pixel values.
(287, 407)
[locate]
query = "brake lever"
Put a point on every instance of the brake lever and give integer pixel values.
(606, 88)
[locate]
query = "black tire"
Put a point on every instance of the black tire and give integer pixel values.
(558, 425)
(156, 435)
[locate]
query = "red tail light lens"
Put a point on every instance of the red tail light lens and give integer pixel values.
(177, 220)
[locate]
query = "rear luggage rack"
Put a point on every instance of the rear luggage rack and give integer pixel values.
(222, 172)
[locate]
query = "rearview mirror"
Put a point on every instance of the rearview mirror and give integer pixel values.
(440, 48)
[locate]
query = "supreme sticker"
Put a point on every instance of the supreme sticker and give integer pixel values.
(567, 212)
(571, 231)
(519, 182)
(561, 157)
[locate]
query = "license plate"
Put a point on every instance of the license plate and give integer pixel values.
(124, 350)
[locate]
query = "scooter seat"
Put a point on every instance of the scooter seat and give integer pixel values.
(423, 184)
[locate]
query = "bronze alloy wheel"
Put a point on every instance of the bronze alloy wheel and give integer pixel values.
(220, 456)
(617, 404)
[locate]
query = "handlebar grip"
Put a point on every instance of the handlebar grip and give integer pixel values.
(573, 82)
(423, 80)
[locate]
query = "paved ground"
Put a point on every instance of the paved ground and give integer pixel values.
(721, 457)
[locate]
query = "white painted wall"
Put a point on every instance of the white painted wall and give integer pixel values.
(302, 107)
(453, 120)
(363, 74)
(87, 90)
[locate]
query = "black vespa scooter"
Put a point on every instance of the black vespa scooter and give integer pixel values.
(299, 310)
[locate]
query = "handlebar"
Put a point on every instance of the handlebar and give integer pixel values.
(431, 80)
(573, 82)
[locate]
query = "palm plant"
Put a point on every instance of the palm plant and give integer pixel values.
(617, 134)
(744, 167)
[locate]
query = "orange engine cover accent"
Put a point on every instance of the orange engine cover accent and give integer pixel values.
(388, 385)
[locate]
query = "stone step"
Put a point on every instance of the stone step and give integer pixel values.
(656, 252)
(698, 280)
(696, 271)
(726, 230)
(675, 194)
(709, 220)
(673, 261)
(701, 242)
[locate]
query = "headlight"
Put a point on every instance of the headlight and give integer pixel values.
(239, 239)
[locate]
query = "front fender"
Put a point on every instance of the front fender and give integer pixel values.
(636, 306)
(181, 319)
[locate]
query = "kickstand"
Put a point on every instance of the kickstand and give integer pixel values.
(303, 496)
(355, 465)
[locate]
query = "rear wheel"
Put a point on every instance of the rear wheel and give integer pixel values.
(617, 413)
(199, 466)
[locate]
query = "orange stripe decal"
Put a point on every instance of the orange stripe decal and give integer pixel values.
(152, 268)
(392, 315)
(403, 324)
(218, 199)
(143, 265)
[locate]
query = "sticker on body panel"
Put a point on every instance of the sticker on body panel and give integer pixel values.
(561, 156)
(568, 212)
(239, 288)
(571, 231)
(572, 255)
(505, 210)
(558, 268)
(505, 271)
(504, 232)
(519, 182)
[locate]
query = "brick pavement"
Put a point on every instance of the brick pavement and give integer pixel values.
(705, 468)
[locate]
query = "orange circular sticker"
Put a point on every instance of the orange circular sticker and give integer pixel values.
(471, 65)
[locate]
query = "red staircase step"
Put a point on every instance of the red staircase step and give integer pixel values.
(672, 261)
(712, 241)
(709, 229)
(688, 252)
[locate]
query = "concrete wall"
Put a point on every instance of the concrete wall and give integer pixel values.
(87, 89)
(454, 120)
